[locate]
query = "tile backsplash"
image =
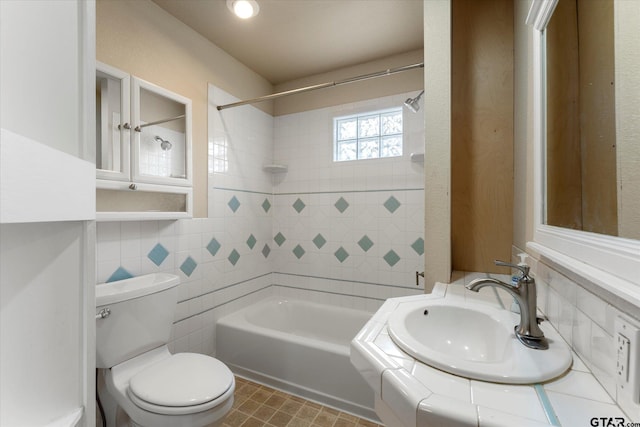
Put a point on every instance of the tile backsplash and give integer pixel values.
(360, 222)
(584, 320)
(348, 233)
(211, 278)
(352, 236)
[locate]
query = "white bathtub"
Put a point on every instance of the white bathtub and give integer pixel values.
(300, 347)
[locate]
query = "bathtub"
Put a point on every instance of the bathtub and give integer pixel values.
(300, 347)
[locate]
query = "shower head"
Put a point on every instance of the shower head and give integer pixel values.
(164, 144)
(412, 103)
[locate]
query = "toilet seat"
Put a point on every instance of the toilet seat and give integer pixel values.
(183, 383)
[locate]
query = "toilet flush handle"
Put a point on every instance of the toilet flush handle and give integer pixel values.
(104, 313)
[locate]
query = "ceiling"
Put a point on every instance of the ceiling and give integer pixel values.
(290, 39)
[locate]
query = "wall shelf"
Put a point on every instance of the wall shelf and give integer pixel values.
(140, 216)
(275, 168)
(125, 201)
(417, 157)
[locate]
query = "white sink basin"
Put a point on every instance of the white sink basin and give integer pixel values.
(475, 341)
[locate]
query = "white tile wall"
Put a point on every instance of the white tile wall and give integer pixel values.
(584, 320)
(213, 283)
(246, 133)
(365, 216)
(304, 142)
(246, 139)
(581, 319)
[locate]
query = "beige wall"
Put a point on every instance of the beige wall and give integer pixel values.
(581, 147)
(627, 57)
(482, 134)
(564, 165)
(367, 89)
(140, 38)
(523, 208)
(597, 117)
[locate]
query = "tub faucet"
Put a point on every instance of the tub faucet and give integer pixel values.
(524, 292)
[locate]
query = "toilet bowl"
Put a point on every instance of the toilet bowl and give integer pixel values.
(140, 377)
(164, 390)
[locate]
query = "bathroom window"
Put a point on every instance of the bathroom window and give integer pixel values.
(218, 159)
(369, 135)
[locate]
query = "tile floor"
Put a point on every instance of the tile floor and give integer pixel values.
(257, 405)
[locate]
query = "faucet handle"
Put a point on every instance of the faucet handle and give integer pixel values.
(523, 268)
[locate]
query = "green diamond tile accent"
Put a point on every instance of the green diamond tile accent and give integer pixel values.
(158, 254)
(298, 251)
(266, 250)
(279, 238)
(298, 205)
(392, 204)
(365, 243)
(119, 274)
(188, 266)
(391, 258)
(213, 247)
(234, 256)
(341, 205)
(251, 241)
(319, 241)
(418, 246)
(234, 204)
(341, 254)
(266, 205)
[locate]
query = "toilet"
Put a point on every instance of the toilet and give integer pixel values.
(141, 383)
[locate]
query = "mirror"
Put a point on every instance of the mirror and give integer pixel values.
(610, 262)
(590, 169)
(111, 120)
(162, 135)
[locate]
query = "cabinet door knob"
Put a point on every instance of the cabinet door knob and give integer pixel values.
(132, 186)
(125, 126)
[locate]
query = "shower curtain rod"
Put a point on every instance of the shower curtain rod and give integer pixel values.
(157, 122)
(387, 72)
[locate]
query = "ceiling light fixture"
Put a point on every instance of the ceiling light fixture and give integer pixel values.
(243, 9)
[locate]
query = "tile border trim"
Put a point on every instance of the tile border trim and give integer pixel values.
(546, 405)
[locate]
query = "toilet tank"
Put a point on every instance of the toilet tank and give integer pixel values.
(141, 315)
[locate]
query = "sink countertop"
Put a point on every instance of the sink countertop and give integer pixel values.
(410, 393)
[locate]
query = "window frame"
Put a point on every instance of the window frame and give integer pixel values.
(379, 136)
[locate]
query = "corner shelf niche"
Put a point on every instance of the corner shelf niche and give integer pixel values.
(275, 168)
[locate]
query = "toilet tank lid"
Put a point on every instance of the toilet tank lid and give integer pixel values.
(135, 287)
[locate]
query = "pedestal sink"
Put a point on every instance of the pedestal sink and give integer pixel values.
(476, 341)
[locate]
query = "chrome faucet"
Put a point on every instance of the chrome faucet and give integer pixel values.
(524, 292)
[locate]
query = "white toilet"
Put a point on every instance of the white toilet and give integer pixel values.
(142, 383)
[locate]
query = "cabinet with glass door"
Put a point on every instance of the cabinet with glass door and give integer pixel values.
(143, 149)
